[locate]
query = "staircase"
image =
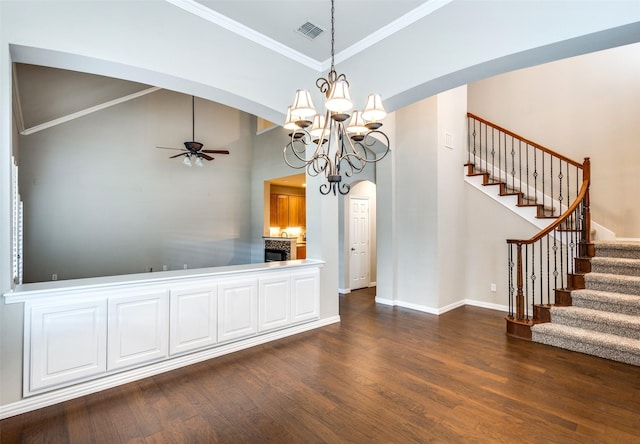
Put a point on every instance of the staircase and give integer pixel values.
(604, 317)
(564, 290)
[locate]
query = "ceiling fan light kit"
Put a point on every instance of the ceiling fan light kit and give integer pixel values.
(340, 148)
(193, 149)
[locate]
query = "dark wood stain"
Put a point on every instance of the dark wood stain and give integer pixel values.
(383, 375)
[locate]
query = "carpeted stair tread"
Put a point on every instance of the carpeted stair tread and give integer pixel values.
(604, 322)
(604, 345)
(615, 283)
(613, 265)
(606, 301)
(620, 249)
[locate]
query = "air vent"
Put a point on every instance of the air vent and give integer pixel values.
(310, 31)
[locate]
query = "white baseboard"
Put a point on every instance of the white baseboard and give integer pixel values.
(344, 290)
(446, 308)
(86, 388)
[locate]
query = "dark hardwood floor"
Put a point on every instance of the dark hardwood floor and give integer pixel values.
(387, 375)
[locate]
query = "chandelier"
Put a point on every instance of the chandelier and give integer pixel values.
(339, 147)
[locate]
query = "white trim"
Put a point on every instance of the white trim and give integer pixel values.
(344, 290)
(250, 34)
(529, 213)
(84, 112)
(397, 25)
(489, 305)
(65, 394)
(17, 107)
(244, 31)
(372, 284)
(446, 308)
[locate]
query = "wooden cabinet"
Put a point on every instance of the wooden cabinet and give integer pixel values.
(237, 309)
(67, 343)
(193, 320)
(279, 210)
(301, 252)
(297, 211)
(137, 329)
(287, 211)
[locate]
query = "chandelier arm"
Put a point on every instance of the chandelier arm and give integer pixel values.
(367, 145)
(344, 188)
(291, 147)
(351, 152)
(325, 188)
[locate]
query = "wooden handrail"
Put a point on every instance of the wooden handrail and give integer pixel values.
(581, 195)
(527, 141)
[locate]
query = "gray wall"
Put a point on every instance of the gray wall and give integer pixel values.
(585, 106)
(100, 199)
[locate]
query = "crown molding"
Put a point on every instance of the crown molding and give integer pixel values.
(397, 25)
(246, 32)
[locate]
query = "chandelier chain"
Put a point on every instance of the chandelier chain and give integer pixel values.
(333, 35)
(341, 149)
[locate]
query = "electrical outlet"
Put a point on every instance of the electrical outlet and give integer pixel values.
(184, 266)
(493, 287)
(54, 277)
(164, 268)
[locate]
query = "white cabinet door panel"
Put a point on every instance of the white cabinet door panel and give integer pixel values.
(274, 303)
(305, 292)
(237, 309)
(68, 342)
(138, 330)
(193, 320)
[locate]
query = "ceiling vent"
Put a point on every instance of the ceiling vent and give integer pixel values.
(310, 31)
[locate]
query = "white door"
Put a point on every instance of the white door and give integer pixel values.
(359, 263)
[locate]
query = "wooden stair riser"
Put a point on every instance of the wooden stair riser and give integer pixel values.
(575, 281)
(563, 297)
(583, 265)
(542, 313)
(520, 330)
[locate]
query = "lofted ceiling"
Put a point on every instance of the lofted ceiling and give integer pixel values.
(47, 95)
(247, 54)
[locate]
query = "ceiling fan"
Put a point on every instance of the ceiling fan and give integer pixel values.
(192, 148)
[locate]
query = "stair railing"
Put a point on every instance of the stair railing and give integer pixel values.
(543, 176)
(542, 264)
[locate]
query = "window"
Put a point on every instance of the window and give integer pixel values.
(16, 226)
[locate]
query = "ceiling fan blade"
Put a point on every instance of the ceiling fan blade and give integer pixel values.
(215, 151)
(205, 156)
(177, 155)
(168, 148)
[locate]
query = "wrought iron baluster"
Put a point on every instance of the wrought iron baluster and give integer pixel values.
(493, 155)
(533, 279)
(526, 281)
(510, 284)
(535, 175)
(526, 149)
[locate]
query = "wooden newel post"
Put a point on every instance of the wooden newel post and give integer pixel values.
(586, 175)
(519, 285)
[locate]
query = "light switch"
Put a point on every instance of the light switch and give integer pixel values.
(448, 140)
